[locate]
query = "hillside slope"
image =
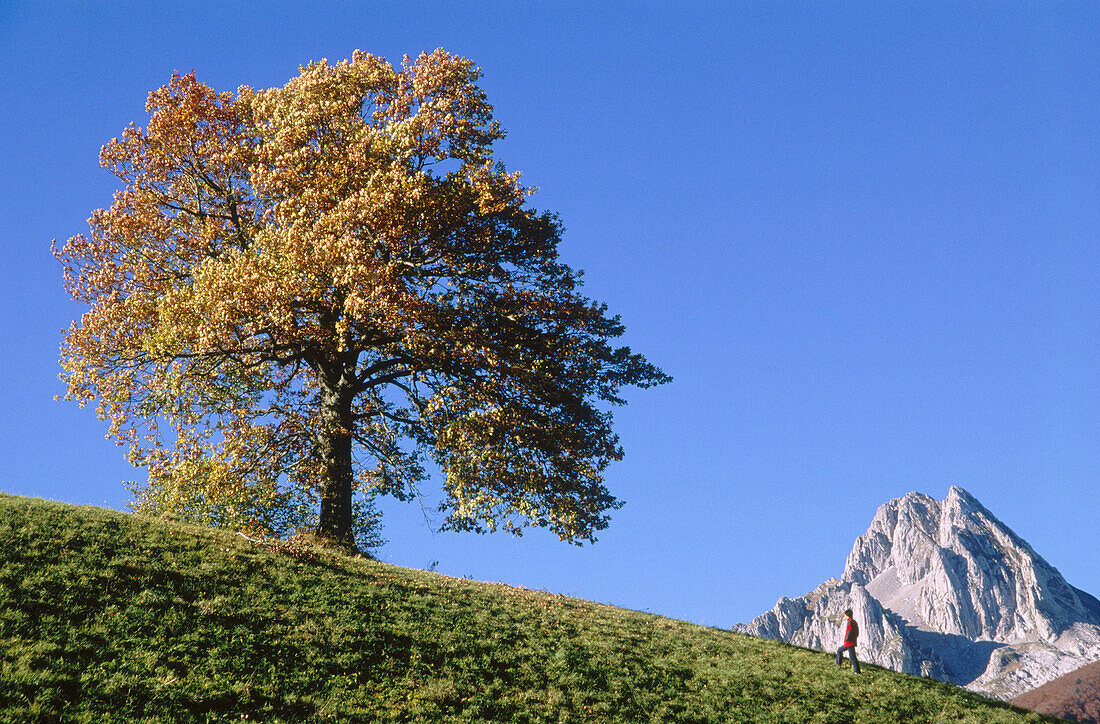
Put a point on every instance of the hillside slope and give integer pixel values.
(1074, 696)
(109, 617)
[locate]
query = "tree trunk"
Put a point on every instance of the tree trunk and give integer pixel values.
(337, 487)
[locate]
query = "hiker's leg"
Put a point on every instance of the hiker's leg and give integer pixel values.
(840, 656)
(852, 654)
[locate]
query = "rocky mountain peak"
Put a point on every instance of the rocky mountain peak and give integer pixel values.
(943, 586)
(953, 567)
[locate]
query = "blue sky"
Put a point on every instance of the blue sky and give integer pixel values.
(861, 236)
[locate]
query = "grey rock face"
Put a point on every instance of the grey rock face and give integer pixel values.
(944, 589)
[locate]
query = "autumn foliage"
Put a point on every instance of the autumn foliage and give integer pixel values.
(307, 296)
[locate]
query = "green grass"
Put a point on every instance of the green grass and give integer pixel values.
(109, 617)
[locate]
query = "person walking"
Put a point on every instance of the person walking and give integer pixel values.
(851, 633)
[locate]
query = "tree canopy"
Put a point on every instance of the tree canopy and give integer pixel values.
(306, 296)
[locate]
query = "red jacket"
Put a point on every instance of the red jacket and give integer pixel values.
(851, 633)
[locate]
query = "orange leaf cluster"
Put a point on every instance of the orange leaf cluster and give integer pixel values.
(302, 295)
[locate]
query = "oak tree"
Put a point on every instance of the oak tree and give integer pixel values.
(306, 296)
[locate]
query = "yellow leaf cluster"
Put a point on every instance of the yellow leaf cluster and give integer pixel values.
(300, 295)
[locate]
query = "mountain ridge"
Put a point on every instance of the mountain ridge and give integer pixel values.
(944, 589)
(1074, 696)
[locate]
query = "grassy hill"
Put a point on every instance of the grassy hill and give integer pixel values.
(109, 617)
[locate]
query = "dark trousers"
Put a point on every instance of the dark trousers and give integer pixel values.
(851, 649)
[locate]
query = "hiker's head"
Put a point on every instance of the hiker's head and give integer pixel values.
(848, 612)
